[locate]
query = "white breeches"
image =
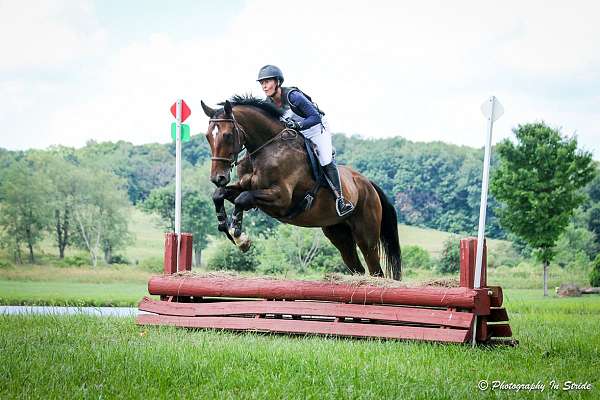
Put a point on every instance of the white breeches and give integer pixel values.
(320, 135)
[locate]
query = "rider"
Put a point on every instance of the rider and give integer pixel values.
(302, 115)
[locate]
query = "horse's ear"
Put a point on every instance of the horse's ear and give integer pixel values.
(207, 110)
(228, 108)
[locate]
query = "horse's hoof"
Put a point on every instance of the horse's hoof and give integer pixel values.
(245, 245)
(237, 232)
(222, 227)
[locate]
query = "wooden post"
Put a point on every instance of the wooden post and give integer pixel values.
(185, 259)
(468, 252)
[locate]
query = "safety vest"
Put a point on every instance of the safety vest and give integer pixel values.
(286, 104)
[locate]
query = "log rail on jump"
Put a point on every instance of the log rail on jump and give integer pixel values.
(436, 314)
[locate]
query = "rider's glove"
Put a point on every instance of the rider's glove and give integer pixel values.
(290, 123)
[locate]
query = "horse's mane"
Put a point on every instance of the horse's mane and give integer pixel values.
(249, 100)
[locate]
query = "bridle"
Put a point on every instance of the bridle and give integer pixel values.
(237, 129)
(233, 161)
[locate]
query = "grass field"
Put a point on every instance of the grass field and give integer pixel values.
(92, 357)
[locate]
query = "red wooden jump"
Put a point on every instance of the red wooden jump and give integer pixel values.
(325, 308)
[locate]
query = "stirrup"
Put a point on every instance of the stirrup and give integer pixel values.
(347, 206)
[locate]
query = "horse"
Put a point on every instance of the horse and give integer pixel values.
(275, 176)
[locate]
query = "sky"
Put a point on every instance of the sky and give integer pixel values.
(74, 71)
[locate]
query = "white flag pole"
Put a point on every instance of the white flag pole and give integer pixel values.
(178, 177)
(492, 110)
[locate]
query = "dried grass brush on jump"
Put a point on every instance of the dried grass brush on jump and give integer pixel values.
(349, 309)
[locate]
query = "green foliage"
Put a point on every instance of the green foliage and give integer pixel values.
(300, 250)
(72, 261)
(416, 257)
(118, 259)
(538, 182)
(595, 274)
(24, 215)
(100, 212)
(433, 184)
(271, 259)
(575, 245)
(503, 255)
(152, 264)
(161, 201)
(449, 261)
(257, 223)
(196, 151)
(61, 174)
(594, 221)
(143, 167)
(221, 254)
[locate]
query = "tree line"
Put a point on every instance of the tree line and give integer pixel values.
(81, 197)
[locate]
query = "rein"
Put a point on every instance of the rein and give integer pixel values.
(234, 158)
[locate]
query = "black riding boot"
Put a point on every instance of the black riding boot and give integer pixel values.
(342, 206)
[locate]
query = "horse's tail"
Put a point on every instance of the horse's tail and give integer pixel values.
(388, 237)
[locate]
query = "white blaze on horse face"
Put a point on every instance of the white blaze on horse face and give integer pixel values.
(215, 131)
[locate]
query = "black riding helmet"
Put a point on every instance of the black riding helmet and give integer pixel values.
(270, 71)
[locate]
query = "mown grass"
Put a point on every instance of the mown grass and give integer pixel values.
(72, 294)
(92, 357)
(433, 240)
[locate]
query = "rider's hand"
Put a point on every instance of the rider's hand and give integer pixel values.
(290, 123)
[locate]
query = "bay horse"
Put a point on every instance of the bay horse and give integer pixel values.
(274, 176)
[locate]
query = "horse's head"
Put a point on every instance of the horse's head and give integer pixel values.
(225, 139)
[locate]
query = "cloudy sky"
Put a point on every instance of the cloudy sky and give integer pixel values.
(71, 71)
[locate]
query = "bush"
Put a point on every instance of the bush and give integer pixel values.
(73, 261)
(221, 254)
(595, 274)
(504, 255)
(5, 264)
(416, 257)
(118, 259)
(300, 250)
(449, 261)
(575, 246)
(271, 259)
(152, 264)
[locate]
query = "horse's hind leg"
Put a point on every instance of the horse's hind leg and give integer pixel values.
(370, 250)
(341, 237)
(366, 236)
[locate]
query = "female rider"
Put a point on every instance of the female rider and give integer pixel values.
(301, 114)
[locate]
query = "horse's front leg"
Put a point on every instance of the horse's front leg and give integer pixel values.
(219, 196)
(243, 202)
(271, 198)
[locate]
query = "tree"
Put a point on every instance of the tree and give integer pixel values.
(449, 261)
(62, 180)
(99, 210)
(23, 213)
(197, 210)
(198, 218)
(161, 201)
(538, 184)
